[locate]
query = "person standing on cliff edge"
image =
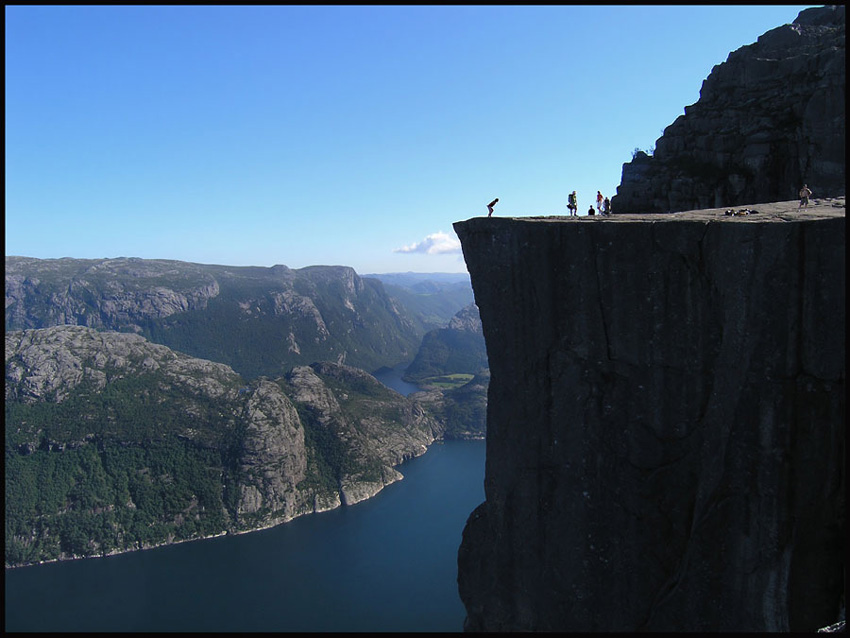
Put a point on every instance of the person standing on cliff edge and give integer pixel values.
(490, 207)
(572, 204)
(599, 199)
(805, 193)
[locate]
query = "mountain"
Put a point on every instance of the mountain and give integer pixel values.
(769, 119)
(115, 443)
(459, 348)
(433, 298)
(451, 366)
(425, 280)
(259, 321)
(666, 422)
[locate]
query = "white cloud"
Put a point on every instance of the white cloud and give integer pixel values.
(439, 243)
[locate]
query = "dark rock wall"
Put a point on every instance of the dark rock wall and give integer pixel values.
(665, 427)
(768, 120)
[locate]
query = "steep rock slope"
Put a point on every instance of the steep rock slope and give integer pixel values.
(665, 426)
(114, 443)
(768, 120)
(372, 427)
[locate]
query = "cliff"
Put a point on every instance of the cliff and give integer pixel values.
(665, 421)
(768, 120)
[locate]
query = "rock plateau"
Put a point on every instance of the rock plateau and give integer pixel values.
(665, 422)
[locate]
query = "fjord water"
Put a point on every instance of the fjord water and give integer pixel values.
(391, 377)
(386, 564)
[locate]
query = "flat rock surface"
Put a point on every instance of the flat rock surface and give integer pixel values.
(825, 208)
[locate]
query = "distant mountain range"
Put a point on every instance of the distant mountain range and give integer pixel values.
(153, 401)
(259, 321)
(413, 279)
(433, 298)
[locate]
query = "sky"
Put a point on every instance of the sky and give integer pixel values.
(334, 135)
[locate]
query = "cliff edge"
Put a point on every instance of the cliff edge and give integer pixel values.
(665, 426)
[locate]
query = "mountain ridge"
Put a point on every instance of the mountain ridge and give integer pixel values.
(261, 321)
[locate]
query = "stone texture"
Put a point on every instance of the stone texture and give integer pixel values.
(665, 425)
(45, 365)
(768, 120)
(273, 457)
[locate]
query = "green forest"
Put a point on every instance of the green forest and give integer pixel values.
(111, 470)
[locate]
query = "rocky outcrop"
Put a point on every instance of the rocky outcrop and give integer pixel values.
(768, 120)
(144, 445)
(272, 461)
(467, 319)
(48, 365)
(665, 426)
(376, 428)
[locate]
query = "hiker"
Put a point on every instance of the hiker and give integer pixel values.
(490, 207)
(805, 193)
(572, 204)
(598, 202)
(590, 211)
(606, 207)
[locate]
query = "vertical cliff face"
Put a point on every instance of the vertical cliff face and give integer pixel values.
(768, 120)
(665, 428)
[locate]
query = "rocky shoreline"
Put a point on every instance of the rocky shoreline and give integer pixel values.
(237, 532)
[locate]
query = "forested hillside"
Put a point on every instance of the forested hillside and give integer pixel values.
(114, 443)
(153, 401)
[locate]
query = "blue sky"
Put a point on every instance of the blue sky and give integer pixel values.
(335, 135)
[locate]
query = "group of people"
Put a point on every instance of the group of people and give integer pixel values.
(603, 205)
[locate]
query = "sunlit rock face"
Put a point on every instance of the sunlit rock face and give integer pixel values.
(769, 119)
(665, 425)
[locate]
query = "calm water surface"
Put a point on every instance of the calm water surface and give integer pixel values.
(391, 377)
(386, 564)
